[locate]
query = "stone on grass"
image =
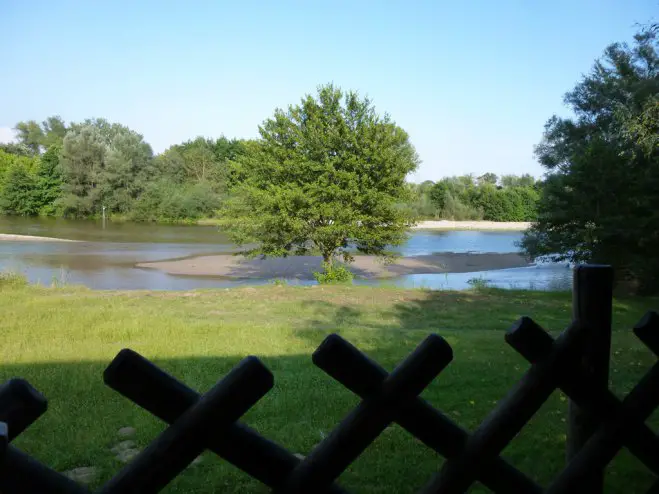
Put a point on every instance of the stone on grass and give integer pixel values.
(126, 432)
(83, 475)
(127, 455)
(123, 446)
(125, 451)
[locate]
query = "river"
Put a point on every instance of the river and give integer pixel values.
(106, 256)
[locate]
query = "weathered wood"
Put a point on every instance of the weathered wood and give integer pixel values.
(509, 416)
(185, 439)
(20, 406)
(22, 474)
(592, 298)
(621, 423)
(361, 375)
(372, 416)
(164, 396)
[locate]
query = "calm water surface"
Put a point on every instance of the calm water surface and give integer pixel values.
(106, 257)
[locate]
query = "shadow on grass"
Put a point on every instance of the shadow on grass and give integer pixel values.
(84, 416)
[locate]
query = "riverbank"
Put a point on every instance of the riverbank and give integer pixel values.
(473, 225)
(440, 225)
(303, 267)
(9, 237)
(62, 339)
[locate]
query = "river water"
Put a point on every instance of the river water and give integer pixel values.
(106, 257)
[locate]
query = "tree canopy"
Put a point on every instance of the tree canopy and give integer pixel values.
(327, 173)
(600, 200)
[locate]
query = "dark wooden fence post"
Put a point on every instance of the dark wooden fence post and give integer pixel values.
(592, 295)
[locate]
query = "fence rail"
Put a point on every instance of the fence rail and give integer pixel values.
(576, 362)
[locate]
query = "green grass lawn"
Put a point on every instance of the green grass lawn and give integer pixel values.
(61, 339)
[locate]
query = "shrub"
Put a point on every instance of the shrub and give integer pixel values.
(456, 210)
(9, 279)
(333, 273)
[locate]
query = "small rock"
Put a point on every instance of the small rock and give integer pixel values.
(123, 446)
(299, 456)
(126, 455)
(126, 432)
(83, 475)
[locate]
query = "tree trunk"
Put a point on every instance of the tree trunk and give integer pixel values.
(327, 258)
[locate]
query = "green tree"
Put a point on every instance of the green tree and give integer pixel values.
(599, 202)
(38, 137)
(19, 192)
(16, 148)
(102, 164)
(327, 173)
(525, 180)
(488, 178)
(48, 180)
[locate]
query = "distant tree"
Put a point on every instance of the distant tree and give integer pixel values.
(439, 193)
(38, 137)
(525, 180)
(30, 134)
(54, 130)
(599, 202)
(327, 173)
(19, 193)
(48, 180)
(16, 148)
(488, 178)
(102, 164)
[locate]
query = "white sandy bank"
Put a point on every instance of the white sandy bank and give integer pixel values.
(31, 238)
(472, 225)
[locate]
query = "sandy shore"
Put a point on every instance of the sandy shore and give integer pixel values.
(31, 238)
(473, 225)
(302, 267)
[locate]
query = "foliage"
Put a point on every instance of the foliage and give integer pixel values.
(15, 148)
(599, 203)
(49, 180)
(11, 279)
(102, 164)
(19, 192)
(166, 201)
(328, 173)
(333, 273)
(462, 198)
(38, 137)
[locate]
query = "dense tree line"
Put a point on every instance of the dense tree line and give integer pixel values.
(488, 197)
(74, 170)
(600, 202)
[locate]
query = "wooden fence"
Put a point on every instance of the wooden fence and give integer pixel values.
(575, 362)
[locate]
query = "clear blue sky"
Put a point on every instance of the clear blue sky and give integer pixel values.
(472, 81)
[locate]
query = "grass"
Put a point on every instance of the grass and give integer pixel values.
(61, 339)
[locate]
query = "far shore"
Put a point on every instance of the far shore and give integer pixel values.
(10, 237)
(473, 225)
(303, 267)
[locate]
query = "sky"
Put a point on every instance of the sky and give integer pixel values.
(472, 82)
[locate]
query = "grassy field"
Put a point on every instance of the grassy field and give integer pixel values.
(61, 339)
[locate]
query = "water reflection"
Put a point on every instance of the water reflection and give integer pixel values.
(106, 257)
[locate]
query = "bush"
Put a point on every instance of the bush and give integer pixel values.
(168, 201)
(333, 273)
(10, 279)
(456, 210)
